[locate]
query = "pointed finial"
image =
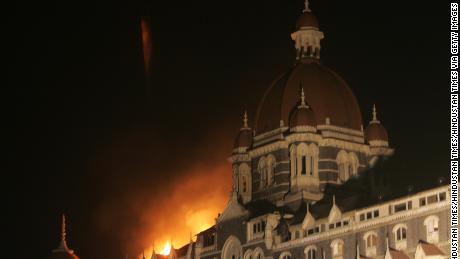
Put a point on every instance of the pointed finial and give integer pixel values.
(63, 234)
(302, 97)
(143, 254)
(303, 103)
(63, 245)
(306, 7)
(308, 207)
(245, 120)
(374, 115)
(333, 199)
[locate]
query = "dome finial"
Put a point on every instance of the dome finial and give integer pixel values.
(63, 244)
(303, 104)
(306, 7)
(374, 115)
(245, 119)
(302, 97)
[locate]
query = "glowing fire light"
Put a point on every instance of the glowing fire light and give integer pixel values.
(166, 249)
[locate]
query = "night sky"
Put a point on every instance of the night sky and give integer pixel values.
(85, 135)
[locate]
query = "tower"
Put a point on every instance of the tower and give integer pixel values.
(307, 131)
(63, 251)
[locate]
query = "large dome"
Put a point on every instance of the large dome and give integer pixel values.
(327, 93)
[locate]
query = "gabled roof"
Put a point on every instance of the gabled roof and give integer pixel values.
(430, 249)
(395, 254)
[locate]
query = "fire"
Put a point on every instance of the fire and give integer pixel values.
(166, 249)
(190, 206)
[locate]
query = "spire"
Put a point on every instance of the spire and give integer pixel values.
(333, 200)
(306, 7)
(374, 115)
(307, 36)
(63, 244)
(245, 120)
(303, 104)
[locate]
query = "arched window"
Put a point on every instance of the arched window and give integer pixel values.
(258, 253)
(400, 236)
(370, 239)
(311, 252)
(262, 172)
(232, 248)
(285, 255)
(248, 254)
(271, 165)
(337, 248)
(353, 164)
(342, 164)
(293, 159)
(302, 152)
(432, 229)
(245, 186)
(312, 159)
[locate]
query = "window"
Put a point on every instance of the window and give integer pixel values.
(370, 239)
(442, 196)
(400, 236)
(337, 248)
(432, 229)
(343, 164)
(310, 252)
(422, 201)
(312, 165)
(293, 160)
(304, 165)
(376, 213)
(400, 207)
(432, 199)
(262, 172)
(271, 165)
(306, 159)
(285, 255)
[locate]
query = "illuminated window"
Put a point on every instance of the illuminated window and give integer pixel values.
(285, 255)
(400, 236)
(370, 239)
(337, 248)
(310, 252)
(432, 229)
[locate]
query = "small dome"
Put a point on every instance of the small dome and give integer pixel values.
(302, 114)
(375, 130)
(244, 138)
(307, 19)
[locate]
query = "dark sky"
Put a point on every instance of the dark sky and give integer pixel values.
(82, 132)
